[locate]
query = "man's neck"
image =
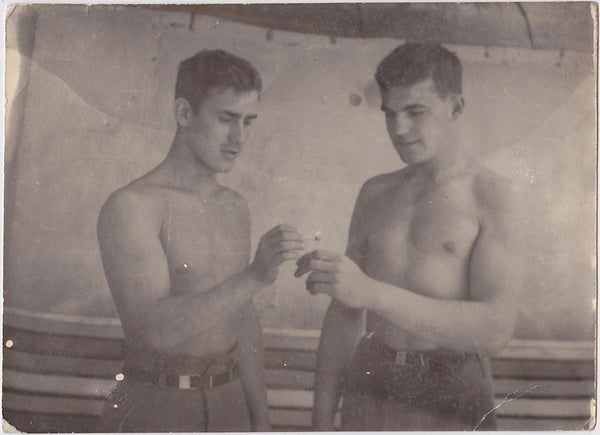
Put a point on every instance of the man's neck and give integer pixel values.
(181, 170)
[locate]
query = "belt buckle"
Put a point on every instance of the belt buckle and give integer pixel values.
(185, 382)
(400, 357)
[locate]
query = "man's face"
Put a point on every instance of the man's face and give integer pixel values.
(417, 120)
(220, 127)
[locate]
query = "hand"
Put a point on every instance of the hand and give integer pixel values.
(282, 243)
(335, 275)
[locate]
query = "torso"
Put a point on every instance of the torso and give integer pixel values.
(419, 240)
(206, 239)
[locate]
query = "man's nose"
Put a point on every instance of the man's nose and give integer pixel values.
(238, 133)
(401, 125)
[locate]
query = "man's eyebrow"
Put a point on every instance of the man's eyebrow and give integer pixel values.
(409, 107)
(415, 106)
(238, 115)
(232, 114)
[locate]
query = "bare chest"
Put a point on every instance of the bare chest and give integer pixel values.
(421, 244)
(205, 242)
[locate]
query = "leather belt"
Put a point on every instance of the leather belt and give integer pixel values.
(401, 357)
(186, 382)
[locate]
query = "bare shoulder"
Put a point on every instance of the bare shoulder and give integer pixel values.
(497, 197)
(378, 184)
(131, 205)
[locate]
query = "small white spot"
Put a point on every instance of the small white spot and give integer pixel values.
(284, 364)
(115, 406)
(9, 343)
(119, 377)
(368, 373)
(185, 265)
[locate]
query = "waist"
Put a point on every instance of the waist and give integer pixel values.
(140, 358)
(371, 344)
(198, 382)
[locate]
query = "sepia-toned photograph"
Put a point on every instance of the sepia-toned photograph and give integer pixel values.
(300, 217)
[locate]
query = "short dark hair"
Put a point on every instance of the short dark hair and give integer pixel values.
(414, 62)
(214, 69)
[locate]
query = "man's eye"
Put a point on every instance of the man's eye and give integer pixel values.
(248, 122)
(224, 119)
(417, 112)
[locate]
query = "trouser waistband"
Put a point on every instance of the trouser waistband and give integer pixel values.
(199, 382)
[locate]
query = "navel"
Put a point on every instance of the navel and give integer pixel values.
(449, 247)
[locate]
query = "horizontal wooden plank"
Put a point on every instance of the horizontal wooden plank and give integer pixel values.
(284, 359)
(290, 399)
(57, 385)
(55, 364)
(547, 424)
(544, 388)
(297, 418)
(555, 408)
(538, 369)
(51, 405)
(32, 422)
(290, 379)
(74, 346)
(296, 339)
(549, 349)
(61, 324)
(277, 338)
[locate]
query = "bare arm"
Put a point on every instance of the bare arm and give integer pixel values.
(340, 333)
(252, 368)
(138, 275)
(486, 321)
(496, 270)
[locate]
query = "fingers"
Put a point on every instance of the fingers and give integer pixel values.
(282, 257)
(319, 260)
(320, 277)
(286, 236)
(279, 229)
(317, 288)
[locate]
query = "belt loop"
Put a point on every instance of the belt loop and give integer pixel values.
(210, 382)
(400, 357)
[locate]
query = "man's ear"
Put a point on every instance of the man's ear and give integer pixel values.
(458, 105)
(183, 112)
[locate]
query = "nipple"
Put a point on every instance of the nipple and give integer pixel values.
(449, 247)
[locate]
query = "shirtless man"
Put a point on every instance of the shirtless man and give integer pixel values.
(432, 270)
(175, 246)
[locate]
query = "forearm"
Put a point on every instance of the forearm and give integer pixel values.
(173, 320)
(252, 368)
(342, 328)
(467, 325)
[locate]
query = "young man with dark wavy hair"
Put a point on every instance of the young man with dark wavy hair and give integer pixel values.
(429, 285)
(175, 246)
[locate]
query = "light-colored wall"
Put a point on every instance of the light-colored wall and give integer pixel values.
(98, 114)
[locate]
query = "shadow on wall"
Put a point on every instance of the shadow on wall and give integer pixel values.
(98, 114)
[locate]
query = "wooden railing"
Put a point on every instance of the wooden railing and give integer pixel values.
(57, 371)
